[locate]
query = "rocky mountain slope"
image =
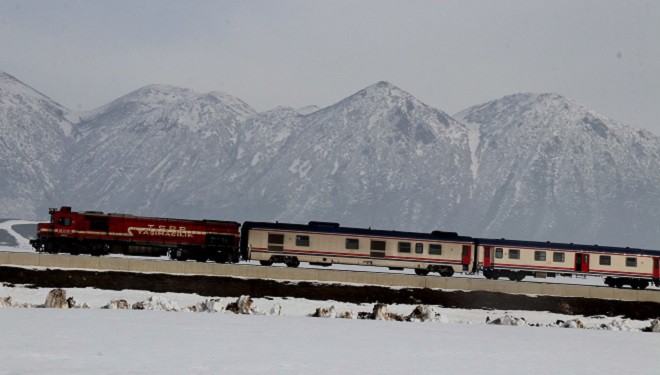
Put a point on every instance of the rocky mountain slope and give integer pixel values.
(33, 137)
(377, 158)
(549, 168)
(158, 150)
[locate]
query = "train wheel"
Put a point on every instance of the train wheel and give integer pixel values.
(520, 276)
(643, 285)
(421, 271)
(265, 262)
(294, 263)
(512, 276)
(495, 275)
(447, 272)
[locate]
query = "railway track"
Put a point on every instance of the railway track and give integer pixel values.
(397, 280)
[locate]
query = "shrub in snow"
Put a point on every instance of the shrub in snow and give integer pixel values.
(6, 302)
(242, 306)
(574, 323)
(424, 314)
(156, 302)
(56, 299)
(508, 320)
(117, 304)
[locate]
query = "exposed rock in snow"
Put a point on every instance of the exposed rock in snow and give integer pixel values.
(276, 310)
(324, 312)
(73, 304)
(213, 305)
(425, 314)
(6, 302)
(156, 302)
(243, 305)
(117, 304)
(574, 323)
(380, 313)
(508, 320)
(654, 327)
(618, 325)
(56, 298)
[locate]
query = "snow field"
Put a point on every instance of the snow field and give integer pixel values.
(111, 341)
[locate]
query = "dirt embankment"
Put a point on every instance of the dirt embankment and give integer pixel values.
(235, 287)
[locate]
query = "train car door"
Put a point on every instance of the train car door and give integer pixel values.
(656, 268)
(487, 257)
(466, 257)
(582, 262)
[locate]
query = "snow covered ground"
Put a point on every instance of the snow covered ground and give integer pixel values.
(111, 341)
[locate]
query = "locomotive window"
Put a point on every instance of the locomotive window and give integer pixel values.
(558, 257)
(605, 260)
(302, 240)
(404, 247)
(499, 253)
(98, 224)
(514, 254)
(539, 256)
(66, 221)
(631, 262)
(435, 249)
(276, 238)
(419, 248)
(352, 243)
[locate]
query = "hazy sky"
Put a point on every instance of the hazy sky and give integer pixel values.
(449, 54)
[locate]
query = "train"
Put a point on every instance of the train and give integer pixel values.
(327, 243)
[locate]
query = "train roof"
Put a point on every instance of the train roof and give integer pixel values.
(324, 227)
(565, 246)
(100, 213)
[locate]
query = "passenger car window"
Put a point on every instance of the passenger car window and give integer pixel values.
(499, 253)
(378, 249)
(605, 260)
(631, 262)
(558, 257)
(539, 256)
(352, 243)
(277, 239)
(419, 248)
(514, 254)
(302, 240)
(404, 247)
(435, 249)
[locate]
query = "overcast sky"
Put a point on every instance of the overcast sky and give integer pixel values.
(449, 54)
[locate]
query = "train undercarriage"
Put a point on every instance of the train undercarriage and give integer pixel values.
(200, 253)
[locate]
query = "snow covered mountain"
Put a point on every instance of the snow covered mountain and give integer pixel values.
(377, 158)
(158, 150)
(548, 168)
(33, 137)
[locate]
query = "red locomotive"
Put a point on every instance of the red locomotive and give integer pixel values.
(97, 233)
